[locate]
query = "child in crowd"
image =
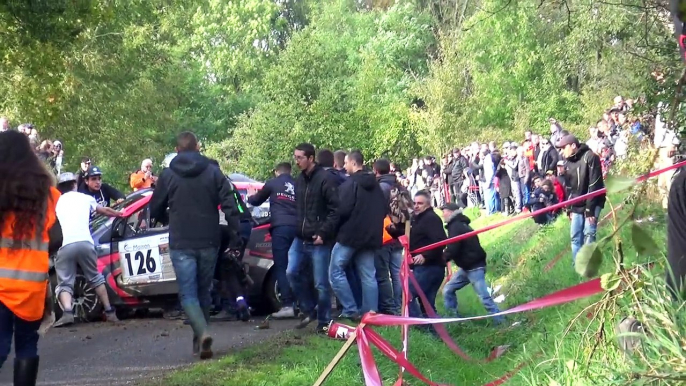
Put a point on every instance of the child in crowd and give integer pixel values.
(543, 197)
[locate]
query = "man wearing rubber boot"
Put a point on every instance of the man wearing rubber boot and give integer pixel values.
(192, 188)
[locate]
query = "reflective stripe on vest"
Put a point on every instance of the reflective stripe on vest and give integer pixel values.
(33, 245)
(23, 275)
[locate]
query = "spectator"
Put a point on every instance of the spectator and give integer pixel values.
(281, 194)
(489, 173)
(470, 259)
(59, 156)
(362, 209)
(543, 197)
(143, 178)
(193, 189)
(585, 175)
(78, 250)
(389, 257)
(555, 130)
(4, 124)
(524, 173)
(325, 159)
(665, 141)
(27, 212)
(316, 197)
(102, 193)
(339, 162)
(428, 267)
(82, 172)
(547, 158)
(459, 170)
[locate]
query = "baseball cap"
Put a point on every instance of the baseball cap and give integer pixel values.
(566, 140)
(66, 177)
(451, 206)
(93, 171)
(560, 163)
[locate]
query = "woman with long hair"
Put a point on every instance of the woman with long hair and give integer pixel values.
(27, 211)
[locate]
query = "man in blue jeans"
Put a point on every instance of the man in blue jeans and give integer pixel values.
(389, 257)
(281, 194)
(316, 197)
(362, 209)
(428, 267)
(470, 259)
(584, 175)
(192, 188)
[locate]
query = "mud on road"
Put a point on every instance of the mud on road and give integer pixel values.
(97, 354)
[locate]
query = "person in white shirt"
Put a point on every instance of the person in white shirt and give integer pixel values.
(665, 141)
(73, 213)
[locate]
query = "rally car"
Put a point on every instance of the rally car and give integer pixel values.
(133, 256)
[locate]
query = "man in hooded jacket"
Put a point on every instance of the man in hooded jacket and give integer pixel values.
(362, 209)
(192, 188)
(470, 259)
(585, 175)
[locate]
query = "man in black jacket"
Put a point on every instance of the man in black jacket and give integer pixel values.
(460, 166)
(585, 175)
(316, 198)
(362, 208)
(470, 259)
(390, 256)
(281, 194)
(429, 266)
(193, 189)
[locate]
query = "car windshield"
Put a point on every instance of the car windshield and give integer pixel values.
(99, 220)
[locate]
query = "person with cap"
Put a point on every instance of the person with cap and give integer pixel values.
(143, 178)
(102, 193)
(470, 259)
(73, 213)
(584, 175)
(280, 191)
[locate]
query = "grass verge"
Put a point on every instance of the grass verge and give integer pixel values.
(551, 342)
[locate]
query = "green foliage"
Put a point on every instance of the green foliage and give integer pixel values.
(588, 260)
(643, 242)
(341, 83)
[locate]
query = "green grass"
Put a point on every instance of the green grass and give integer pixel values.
(546, 340)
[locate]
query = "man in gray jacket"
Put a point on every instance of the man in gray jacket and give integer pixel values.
(460, 166)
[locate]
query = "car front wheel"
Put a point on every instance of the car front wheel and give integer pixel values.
(86, 304)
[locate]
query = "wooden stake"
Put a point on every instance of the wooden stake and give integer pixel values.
(341, 353)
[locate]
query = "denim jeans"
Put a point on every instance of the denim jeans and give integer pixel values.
(524, 187)
(194, 270)
(394, 264)
(300, 255)
(477, 278)
(25, 335)
(492, 200)
(382, 262)
(282, 239)
(363, 262)
(429, 278)
(582, 231)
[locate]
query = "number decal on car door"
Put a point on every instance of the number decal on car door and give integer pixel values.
(140, 259)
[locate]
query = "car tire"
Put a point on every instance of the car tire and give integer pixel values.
(272, 299)
(87, 305)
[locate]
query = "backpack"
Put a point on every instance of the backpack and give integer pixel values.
(400, 204)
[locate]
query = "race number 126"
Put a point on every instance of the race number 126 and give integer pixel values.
(145, 263)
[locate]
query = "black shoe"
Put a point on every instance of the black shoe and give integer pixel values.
(304, 322)
(356, 318)
(25, 371)
(243, 312)
(205, 347)
(224, 316)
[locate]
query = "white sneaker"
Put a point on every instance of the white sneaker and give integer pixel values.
(284, 313)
